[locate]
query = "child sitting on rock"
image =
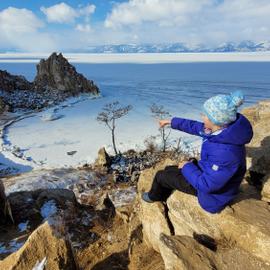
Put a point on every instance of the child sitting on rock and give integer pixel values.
(216, 177)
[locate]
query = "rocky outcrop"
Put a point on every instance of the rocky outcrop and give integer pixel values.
(181, 252)
(40, 233)
(46, 244)
(55, 81)
(103, 159)
(153, 224)
(244, 225)
(187, 237)
(56, 74)
(27, 204)
(10, 82)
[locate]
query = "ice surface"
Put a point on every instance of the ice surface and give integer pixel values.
(48, 144)
(148, 58)
(51, 116)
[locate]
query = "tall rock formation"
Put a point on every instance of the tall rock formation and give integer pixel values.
(55, 81)
(57, 74)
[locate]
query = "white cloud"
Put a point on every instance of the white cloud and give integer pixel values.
(191, 21)
(83, 27)
(87, 10)
(18, 21)
(63, 13)
(60, 13)
(19, 29)
(163, 12)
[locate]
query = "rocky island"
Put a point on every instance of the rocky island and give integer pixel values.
(55, 81)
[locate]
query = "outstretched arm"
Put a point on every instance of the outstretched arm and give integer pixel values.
(186, 125)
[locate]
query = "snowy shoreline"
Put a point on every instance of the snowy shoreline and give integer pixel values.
(14, 161)
(141, 58)
(9, 162)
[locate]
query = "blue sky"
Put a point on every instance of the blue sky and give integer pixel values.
(102, 6)
(31, 25)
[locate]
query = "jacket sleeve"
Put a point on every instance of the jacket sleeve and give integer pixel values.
(189, 126)
(212, 178)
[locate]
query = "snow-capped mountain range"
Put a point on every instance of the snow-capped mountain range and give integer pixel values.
(180, 47)
(244, 46)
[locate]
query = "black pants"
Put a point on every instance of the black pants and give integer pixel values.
(167, 180)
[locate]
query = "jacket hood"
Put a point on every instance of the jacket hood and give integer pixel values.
(238, 132)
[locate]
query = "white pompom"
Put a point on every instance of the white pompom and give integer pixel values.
(237, 98)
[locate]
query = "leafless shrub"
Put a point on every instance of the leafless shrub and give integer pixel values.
(159, 113)
(110, 113)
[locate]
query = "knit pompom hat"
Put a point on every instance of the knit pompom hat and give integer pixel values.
(222, 109)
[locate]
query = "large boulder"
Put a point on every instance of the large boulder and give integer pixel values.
(103, 159)
(28, 204)
(154, 222)
(244, 224)
(153, 216)
(185, 253)
(56, 73)
(40, 234)
(46, 244)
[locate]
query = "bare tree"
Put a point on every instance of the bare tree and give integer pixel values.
(159, 113)
(110, 113)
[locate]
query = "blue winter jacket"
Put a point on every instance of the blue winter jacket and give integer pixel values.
(223, 161)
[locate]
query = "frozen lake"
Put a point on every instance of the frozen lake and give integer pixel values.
(180, 87)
